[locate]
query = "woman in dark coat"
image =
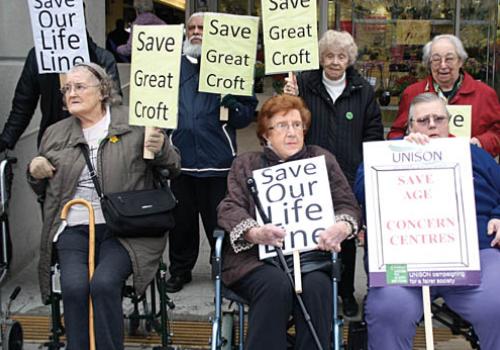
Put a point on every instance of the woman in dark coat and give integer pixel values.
(282, 123)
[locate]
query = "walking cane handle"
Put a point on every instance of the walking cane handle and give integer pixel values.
(67, 206)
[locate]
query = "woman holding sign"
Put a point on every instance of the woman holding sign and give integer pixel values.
(393, 312)
(59, 173)
(345, 114)
(281, 126)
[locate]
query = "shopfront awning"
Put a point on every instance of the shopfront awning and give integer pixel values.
(178, 4)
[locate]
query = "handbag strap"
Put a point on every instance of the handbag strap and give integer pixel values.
(92, 171)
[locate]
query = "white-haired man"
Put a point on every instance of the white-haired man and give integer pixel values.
(208, 147)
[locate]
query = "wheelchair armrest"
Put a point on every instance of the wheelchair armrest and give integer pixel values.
(219, 238)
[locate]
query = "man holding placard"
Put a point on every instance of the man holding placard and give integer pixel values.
(392, 312)
(40, 80)
(207, 145)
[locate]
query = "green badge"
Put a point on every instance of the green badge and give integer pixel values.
(349, 116)
(396, 274)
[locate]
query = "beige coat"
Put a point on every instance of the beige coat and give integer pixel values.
(120, 167)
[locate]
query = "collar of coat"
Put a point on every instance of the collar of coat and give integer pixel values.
(272, 158)
(117, 126)
(314, 81)
(467, 87)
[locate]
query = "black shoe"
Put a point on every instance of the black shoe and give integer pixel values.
(175, 283)
(350, 306)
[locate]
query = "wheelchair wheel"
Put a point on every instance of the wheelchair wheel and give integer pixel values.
(12, 336)
(227, 331)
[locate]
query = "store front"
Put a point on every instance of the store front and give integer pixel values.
(390, 33)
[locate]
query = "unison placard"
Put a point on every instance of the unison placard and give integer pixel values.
(421, 217)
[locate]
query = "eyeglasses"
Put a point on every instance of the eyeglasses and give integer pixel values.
(284, 126)
(426, 120)
(448, 60)
(79, 88)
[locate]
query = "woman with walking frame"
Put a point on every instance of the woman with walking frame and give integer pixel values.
(281, 125)
(60, 173)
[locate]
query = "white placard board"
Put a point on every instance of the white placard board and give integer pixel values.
(421, 215)
(296, 196)
(59, 34)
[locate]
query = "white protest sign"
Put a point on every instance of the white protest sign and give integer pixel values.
(296, 196)
(59, 34)
(421, 215)
(155, 74)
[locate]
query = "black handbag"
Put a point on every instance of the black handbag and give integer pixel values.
(141, 213)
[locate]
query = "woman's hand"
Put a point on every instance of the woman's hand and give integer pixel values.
(154, 141)
(331, 238)
(494, 228)
(291, 87)
(418, 138)
(267, 234)
(40, 168)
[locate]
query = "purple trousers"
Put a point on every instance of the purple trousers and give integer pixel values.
(392, 313)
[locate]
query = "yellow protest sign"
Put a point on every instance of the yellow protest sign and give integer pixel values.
(413, 32)
(290, 35)
(461, 120)
(154, 76)
(228, 53)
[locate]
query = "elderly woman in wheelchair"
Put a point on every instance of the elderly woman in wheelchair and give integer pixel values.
(392, 313)
(60, 173)
(281, 126)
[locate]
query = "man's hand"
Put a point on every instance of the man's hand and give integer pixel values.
(291, 87)
(475, 141)
(418, 138)
(40, 168)
(494, 228)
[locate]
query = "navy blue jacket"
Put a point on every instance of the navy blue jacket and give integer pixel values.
(486, 174)
(207, 145)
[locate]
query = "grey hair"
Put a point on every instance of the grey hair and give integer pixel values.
(343, 40)
(459, 48)
(107, 87)
(196, 14)
(425, 97)
(142, 6)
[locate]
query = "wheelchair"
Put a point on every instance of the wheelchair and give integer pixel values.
(11, 332)
(154, 315)
(222, 324)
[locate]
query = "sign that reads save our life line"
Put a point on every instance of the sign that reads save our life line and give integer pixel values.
(290, 35)
(421, 215)
(59, 34)
(155, 73)
(228, 54)
(296, 196)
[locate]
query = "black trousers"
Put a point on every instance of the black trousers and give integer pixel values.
(272, 301)
(113, 266)
(348, 256)
(196, 196)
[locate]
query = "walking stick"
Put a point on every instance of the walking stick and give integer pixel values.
(252, 187)
(91, 261)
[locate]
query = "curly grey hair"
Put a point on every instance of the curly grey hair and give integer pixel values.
(343, 40)
(459, 48)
